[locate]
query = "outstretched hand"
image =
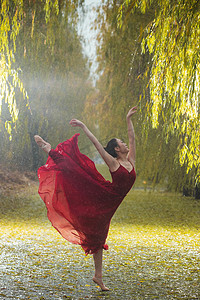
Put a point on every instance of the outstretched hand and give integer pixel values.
(131, 112)
(76, 123)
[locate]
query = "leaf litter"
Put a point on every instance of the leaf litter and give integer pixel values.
(154, 251)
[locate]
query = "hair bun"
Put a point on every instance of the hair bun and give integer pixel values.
(110, 148)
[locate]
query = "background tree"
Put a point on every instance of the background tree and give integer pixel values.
(124, 81)
(55, 76)
(121, 66)
(173, 39)
(11, 17)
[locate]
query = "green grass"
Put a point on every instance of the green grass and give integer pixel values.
(153, 251)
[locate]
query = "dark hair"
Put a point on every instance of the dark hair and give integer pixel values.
(110, 148)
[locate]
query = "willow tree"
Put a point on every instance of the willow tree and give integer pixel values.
(54, 73)
(173, 40)
(13, 16)
(120, 66)
(122, 81)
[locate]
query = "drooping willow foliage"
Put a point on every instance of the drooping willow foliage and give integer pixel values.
(173, 40)
(13, 15)
(44, 81)
(11, 18)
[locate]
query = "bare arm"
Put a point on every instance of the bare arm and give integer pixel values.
(131, 136)
(109, 160)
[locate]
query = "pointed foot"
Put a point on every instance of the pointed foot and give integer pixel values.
(42, 144)
(100, 283)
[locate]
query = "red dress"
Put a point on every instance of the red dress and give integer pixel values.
(80, 202)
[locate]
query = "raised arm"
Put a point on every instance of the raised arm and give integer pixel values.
(109, 160)
(131, 136)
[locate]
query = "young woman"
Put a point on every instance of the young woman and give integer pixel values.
(80, 202)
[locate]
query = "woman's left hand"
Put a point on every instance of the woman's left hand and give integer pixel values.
(76, 123)
(131, 112)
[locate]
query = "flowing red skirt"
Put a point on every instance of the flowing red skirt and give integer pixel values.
(80, 202)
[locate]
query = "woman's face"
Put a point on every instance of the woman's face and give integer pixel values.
(123, 148)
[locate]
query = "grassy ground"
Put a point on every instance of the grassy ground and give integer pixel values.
(154, 244)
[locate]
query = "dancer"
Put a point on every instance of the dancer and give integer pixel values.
(80, 202)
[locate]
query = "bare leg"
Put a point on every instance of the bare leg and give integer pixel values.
(98, 257)
(42, 144)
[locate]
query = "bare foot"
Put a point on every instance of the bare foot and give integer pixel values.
(100, 283)
(42, 144)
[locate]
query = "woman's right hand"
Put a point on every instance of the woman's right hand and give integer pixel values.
(76, 123)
